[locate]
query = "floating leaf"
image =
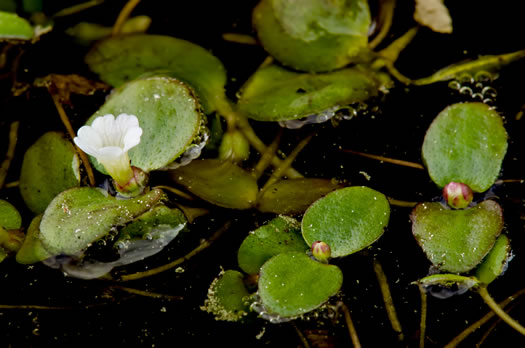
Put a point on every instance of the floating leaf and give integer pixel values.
(292, 284)
(293, 196)
(14, 27)
(10, 218)
(168, 114)
(226, 297)
(316, 36)
(456, 240)
(348, 219)
(447, 285)
(282, 234)
(50, 166)
(123, 58)
(495, 262)
(220, 183)
(276, 94)
(32, 251)
(465, 143)
(79, 216)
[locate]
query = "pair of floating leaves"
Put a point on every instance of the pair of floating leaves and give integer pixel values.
(316, 36)
(123, 58)
(50, 166)
(456, 240)
(276, 94)
(465, 143)
(168, 113)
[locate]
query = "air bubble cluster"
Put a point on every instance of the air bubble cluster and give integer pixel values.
(477, 86)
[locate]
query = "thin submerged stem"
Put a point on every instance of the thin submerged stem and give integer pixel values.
(403, 204)
(423, 321)
(123, 16)
(239, 38)
(350, 325)
(71, 132)
(386, 159)
(176, 191)
(476, 325)
(386, 15)
(146, 293)
(204, 245)
(266, 157)
(302, 338)
(387, 298)
(6, 163)
(499, 311)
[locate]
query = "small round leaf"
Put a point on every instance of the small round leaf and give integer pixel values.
(10, 218)
(494, 264)
(348, 220)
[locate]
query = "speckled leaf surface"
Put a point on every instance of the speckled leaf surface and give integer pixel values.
(168, 114)
(316, 36)
(465, 143)
(494, 264)
(348, 219)
(50, 166)
(282, 234)
(276, 94)
(456, 240)
(32, 251)
(291, 284)
(278, 197)
(80, 216)
(220, 183)
(123, 58)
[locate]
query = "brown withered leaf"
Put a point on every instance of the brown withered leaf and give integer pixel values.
(433, 14)
(64, 85)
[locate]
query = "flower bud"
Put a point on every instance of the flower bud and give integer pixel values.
(321, 251)
(457, 195)
(135, 186)
(234, 146)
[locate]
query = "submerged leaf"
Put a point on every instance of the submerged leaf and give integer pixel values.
(32, 251)
(276, 94)
(119, 59)
(79, 216)
(226, 297)
(220, 183)
(282, 234)
(50, 166)
(10, 218)
(456, 240)
(293, 196)
(292, 284)
(316, 36)
(168, 114)
(14, 27)
(465, 143)
(495, 262)
(348, 219)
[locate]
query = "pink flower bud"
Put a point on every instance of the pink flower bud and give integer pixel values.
(457, 195)
(321, 251)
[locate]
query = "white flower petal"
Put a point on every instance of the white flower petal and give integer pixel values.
(132, 138)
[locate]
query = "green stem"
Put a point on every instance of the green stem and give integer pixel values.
(123, 16)
(386, 14)
(499, 311)
(392, 52)
(303, 339)
(386, 159)
(350, 325)
(403, 204)
(6, 163)
(387, 298)
(423, 322)
(266, 157)
(146, 293)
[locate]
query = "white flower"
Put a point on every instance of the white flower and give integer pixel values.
(109, 140)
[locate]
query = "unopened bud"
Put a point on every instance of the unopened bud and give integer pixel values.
(321, 251)
(135, 185)
(234, 146)
(457, 195)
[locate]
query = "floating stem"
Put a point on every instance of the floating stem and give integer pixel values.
(423, 321)
(123, 16)
(386, 159)
(499, 311)
(386, 14)
(266, 157)
(350, 325)
(387, 298)
(146, 293)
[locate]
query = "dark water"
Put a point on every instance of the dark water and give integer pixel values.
(396, 130)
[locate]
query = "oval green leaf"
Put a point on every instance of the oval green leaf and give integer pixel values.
(276, 94)
(168, 114)
(291, 284)
(123, 58)
(50, 166)
(220, 183)
(315, 36)
(465, 143)
(495, 263)
(282, 234)
(14, 27)
(227, 297)
(10, 218)
(294, 196)
(79, 216)
(456, 240)
(32, 251)
(348, 220)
